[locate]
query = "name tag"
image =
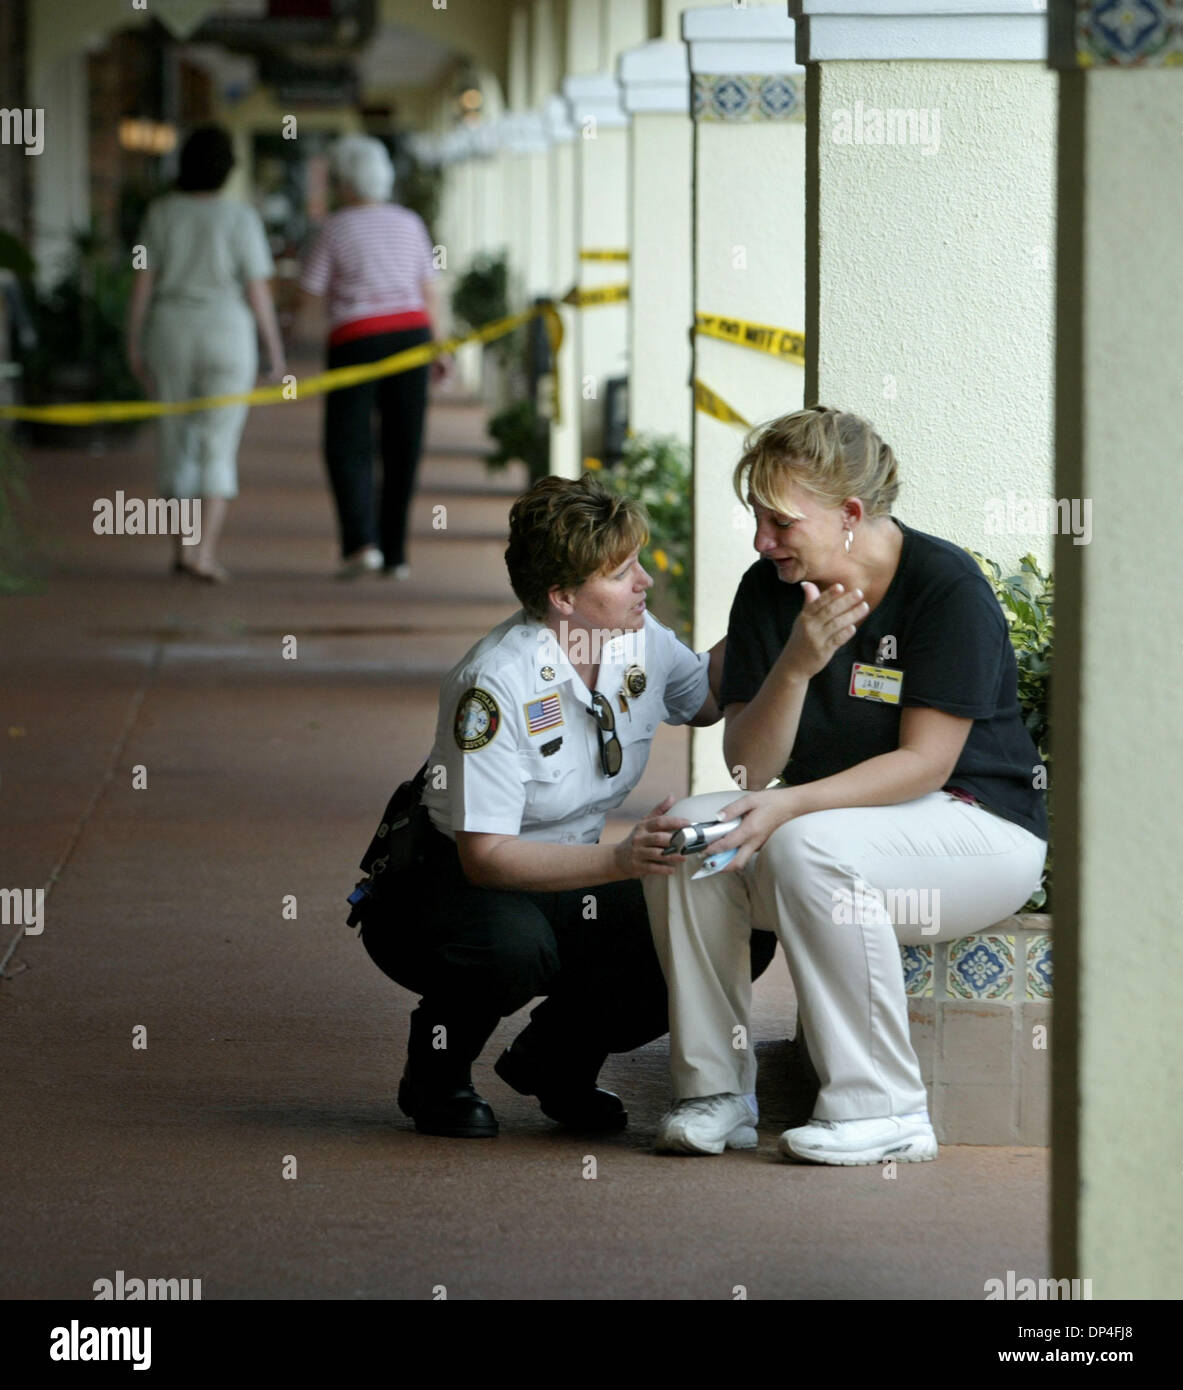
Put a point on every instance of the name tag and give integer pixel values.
(876, 683)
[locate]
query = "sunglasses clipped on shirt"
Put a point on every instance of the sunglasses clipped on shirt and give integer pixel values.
(611, 753)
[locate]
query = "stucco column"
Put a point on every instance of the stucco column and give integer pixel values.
(601, 222)
(461, 239)
(493, 236)
(656, 82)
(929, 261)
(1117, 734)
(545, 57)
(60, 186)
(565, 457)
(749, 180)
(518, 55)
(524, 139)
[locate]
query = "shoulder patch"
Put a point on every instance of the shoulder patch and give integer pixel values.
(477, 720)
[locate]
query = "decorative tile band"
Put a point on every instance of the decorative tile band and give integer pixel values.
(982, 967)
(1039, 967)
(743, 97)
(1129, 33)
(988, 965)
(917, 961)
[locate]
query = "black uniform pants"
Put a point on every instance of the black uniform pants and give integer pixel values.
(401, 403)
(484, 953)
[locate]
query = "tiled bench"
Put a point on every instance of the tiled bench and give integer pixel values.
(980, 1013)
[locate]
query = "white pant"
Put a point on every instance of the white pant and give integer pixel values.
(200, 350)
(842, 890)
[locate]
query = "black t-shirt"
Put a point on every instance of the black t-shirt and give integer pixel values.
(952, 646)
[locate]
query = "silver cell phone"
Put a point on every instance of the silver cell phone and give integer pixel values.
(693, 839)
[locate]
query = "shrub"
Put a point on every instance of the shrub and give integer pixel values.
(1027, 600)
(655, 470)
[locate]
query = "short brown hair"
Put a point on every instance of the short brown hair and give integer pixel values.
(565, 531)
(830, 453)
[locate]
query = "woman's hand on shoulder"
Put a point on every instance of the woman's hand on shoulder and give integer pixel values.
(826, 621)
(640, 852)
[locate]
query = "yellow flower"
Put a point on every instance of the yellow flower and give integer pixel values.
(677, 569)
(593, 465)
(661, 560)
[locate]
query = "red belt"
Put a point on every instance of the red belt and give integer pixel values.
(379, 323)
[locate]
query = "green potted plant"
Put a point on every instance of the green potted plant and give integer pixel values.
(78, 354)
(518, 435)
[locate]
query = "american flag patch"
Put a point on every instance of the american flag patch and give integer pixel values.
(543, 714)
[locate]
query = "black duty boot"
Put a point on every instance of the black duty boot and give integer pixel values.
(568, 1094)
(436, 1090)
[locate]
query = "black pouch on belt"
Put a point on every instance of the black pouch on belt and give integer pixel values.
(398, 844)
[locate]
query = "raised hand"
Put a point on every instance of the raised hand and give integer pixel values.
(826, 621)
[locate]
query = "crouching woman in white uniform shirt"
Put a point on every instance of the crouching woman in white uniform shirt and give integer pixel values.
(869, 667)
(544, 727)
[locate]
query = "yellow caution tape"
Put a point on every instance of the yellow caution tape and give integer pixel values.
(598, 254)
(777, 342)
(601, 294)
(86, 413)
(715, 406)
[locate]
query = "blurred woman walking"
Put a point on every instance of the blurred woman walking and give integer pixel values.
(374, 261)
(191, 332)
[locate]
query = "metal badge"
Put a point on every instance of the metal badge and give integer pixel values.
(634, 681)
(547, 673)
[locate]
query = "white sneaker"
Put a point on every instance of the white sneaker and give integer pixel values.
(708, 1125)
(905, 1138)
(368, 560)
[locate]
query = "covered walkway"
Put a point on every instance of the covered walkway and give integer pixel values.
(270, 1039)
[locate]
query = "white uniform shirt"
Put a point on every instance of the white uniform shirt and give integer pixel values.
(516, 750)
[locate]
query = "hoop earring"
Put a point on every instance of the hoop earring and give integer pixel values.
(849, 541)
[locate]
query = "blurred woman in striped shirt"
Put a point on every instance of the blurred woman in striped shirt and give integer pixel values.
(374, 261)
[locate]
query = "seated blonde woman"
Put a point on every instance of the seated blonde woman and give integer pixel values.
(909, 812)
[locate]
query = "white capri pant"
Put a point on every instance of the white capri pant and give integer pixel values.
(843, 890)
(200, 350)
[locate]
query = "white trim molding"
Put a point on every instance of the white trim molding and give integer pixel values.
(457, 145)
(557, 116)
(485, 138)
(524, 132)
(656, 77)
(594, 96)
(878, 30)
(752, 39)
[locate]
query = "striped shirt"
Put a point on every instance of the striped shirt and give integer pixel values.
(371, 260)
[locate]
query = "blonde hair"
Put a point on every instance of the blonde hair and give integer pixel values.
(563, 532)
(830, 453)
